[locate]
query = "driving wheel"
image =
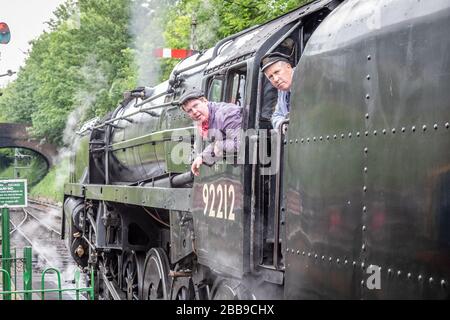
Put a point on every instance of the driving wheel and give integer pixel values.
(156, 283)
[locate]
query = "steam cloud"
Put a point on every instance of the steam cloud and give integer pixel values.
(147, 31)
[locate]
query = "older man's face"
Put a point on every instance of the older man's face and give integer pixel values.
(197, 109)
(280, 75)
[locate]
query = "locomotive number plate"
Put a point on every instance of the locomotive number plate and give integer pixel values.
(219, 201)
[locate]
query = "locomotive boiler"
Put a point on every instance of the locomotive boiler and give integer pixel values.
(357, 206)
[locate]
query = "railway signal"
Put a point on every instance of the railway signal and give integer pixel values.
(5, 34)
(172, 53)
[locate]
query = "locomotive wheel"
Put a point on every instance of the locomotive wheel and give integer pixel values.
(131, 274)
(156, 276)
(183, 289)
(224, 289)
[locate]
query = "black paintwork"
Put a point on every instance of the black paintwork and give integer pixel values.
(378, 195)
(365, 177)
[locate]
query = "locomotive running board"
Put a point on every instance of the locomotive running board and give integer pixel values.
(164, 198)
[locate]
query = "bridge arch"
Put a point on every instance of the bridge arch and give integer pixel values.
(15, 135)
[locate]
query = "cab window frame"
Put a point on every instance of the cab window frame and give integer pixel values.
(211, 94)
(231, 90)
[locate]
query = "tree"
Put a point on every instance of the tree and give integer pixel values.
(97, 49)
(217, 19)
(84, 62)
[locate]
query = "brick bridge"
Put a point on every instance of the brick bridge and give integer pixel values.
(14, 135)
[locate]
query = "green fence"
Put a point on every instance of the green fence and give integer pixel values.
(9, 281)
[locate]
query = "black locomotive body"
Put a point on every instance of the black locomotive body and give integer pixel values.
(358, 206)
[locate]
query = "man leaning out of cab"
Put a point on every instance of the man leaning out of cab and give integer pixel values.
(217, 122)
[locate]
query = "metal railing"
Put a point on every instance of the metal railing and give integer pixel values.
(8, 282)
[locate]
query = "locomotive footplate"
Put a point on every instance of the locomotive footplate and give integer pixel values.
(166, 198)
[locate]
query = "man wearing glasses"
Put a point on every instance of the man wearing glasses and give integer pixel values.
(278, 69)
(218, 122)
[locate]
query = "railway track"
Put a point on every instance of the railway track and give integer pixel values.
(43, 204)
(39, 226)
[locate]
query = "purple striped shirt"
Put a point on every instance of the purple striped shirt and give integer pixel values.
(225, 120)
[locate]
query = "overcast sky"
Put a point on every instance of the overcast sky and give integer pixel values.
(25, 19)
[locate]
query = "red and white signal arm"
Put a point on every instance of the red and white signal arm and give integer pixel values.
(5, 34)
(172, 53)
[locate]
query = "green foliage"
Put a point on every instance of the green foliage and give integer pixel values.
(178, 24)
(37, 171)
(88, 38)
(6, 158)
(97, 49)
(238, 15)
(7, 173)
(49, 187)
(217, 19)
(33, 169)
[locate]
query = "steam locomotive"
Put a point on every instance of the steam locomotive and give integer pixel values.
(359, 207)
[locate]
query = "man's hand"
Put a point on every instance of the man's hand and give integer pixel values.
(217, 152)
(284, 128)
(195, 167)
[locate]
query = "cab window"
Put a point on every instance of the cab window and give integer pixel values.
(215, 89)
(236, 91)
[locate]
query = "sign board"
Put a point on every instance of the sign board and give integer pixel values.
(13, 193)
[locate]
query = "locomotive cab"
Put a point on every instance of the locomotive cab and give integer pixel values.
(136, 204)
(239, 199)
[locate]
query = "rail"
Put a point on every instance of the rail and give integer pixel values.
(46, 203)
(18, 229)
(8, 281)
(50, 228)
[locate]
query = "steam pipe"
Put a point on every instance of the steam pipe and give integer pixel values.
(150, 99)
(177, 72)
(182, 179)
(108, 122)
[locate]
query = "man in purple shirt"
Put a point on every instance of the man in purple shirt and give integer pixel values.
(218, 122)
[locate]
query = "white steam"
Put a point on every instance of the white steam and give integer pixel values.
(73, 22)
(95, 80)
(206, 31)
(46, 252)
(146, 28)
